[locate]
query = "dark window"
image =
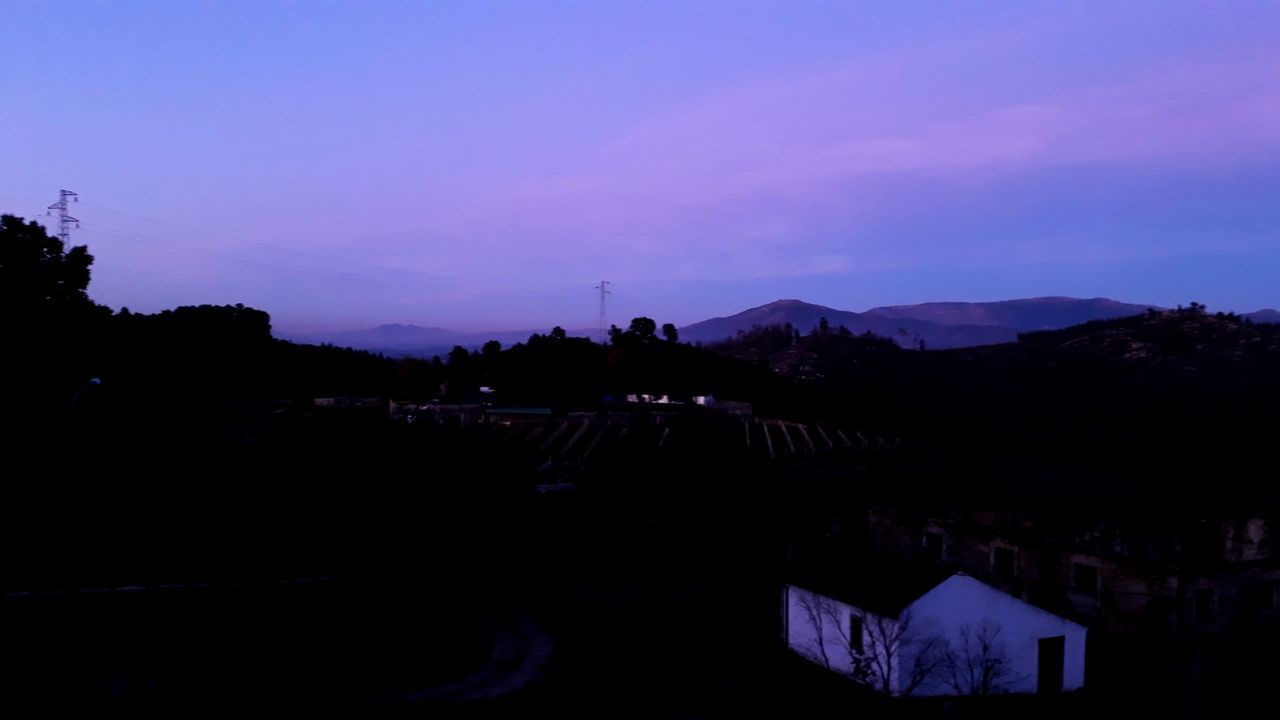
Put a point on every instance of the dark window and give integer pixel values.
(933, 544)
(1050, 565)
(855, 633)
(1204, 606)
(1084, 578)
(1003, 561)
(1269, 595)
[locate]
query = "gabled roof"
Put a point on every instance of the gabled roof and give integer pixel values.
(879, 586)
(972, 588)
(887, 588)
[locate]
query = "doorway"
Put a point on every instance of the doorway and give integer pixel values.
(1051, 662)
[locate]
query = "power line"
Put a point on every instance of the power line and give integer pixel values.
(435, 276)
(144, 238)
(234, 257)
(429, 278)
(415, 278)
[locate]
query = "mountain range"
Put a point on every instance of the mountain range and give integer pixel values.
(937, 325)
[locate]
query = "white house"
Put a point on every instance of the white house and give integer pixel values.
(958, 636)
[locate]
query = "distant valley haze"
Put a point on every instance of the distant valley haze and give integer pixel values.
(938, 325)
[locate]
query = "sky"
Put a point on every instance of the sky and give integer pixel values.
(483, 165)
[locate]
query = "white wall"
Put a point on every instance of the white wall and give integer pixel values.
(962, 600)
(956, 603)
(817, 628)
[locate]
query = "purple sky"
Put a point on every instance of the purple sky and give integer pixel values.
(482, 165)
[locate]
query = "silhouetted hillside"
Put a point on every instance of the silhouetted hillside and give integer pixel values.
(1264, 316)
(1161, 394)
(1182, 340)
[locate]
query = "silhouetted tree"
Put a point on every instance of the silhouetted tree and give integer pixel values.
(670, 333)
(643, 327)
(491, 349)
(36, 272)
(558, 333)
(891, 657)
(824, 327)
(458, 356)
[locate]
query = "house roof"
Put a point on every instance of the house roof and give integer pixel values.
(883, 587)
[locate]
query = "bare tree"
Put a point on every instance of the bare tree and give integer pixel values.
(980, 665)
(887, 644)
(817, 610)
(877, 657)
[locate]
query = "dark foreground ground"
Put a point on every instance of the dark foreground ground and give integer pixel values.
(344, 561)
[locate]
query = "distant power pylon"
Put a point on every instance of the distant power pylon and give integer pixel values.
(65, 221)
(603, 287)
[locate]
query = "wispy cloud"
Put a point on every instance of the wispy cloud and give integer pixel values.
(752, 169)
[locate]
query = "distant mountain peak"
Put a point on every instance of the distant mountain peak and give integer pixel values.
(408, 326)
(780, 305)
(1264, 316)
(789, 302)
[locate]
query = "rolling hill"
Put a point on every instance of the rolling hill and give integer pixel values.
(939, 324)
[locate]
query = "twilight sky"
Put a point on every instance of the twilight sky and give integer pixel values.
(482, 165)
